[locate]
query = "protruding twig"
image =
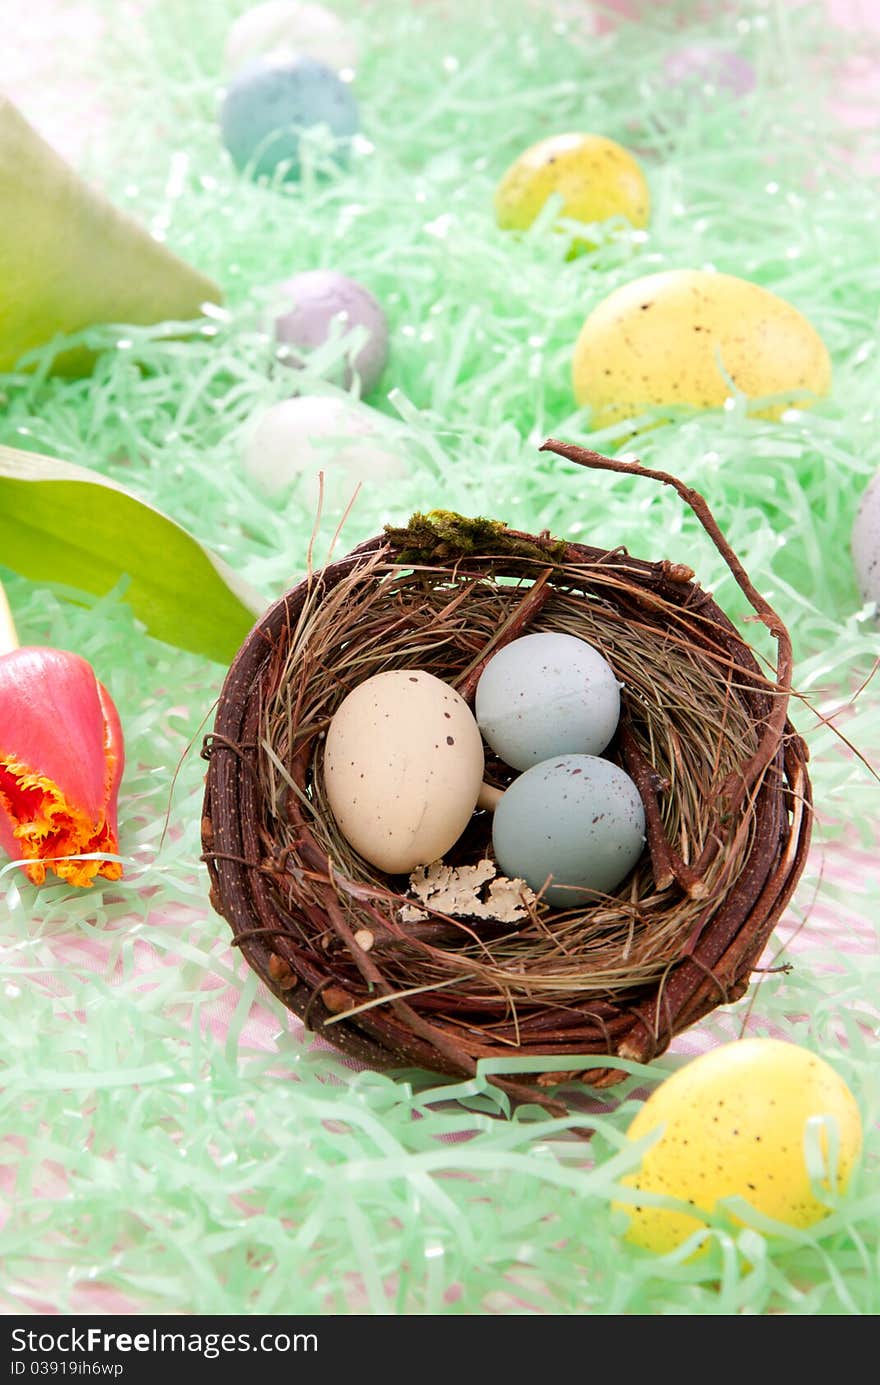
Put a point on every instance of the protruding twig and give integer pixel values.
(519, 619)
(666, 863)
(774, 723)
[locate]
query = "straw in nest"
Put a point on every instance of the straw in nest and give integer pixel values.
(704, 734)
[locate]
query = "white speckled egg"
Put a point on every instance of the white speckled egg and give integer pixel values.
(297, 438)
(291, 26)
(546, 694)
(403, 765)
(866, 542)
(576, 818)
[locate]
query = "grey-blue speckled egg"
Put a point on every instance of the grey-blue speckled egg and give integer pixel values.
(577, 818)
(546, 694)
(272, 100)
(321, 304)
(866, 542)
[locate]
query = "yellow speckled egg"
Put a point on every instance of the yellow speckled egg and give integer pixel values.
(734, 1124)
(403, 766)
(676, 337)
(595, 177)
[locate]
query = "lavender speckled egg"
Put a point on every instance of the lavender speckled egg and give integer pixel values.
(700, 65)
(576, 818)
(292, 27)
(271, 101)
(866, 542)
(327, 305)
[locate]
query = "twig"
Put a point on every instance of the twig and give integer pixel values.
(775, 722)
(665, 862)
(519, 619)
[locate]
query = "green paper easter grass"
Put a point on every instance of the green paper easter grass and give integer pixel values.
(164, 1156)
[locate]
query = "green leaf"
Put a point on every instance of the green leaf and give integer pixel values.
(69, 259)
(65, 524)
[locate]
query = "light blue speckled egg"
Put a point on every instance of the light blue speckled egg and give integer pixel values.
(271, 101)
(545, 694)
(576, 818)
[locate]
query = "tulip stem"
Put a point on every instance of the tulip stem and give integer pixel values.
(8, 632)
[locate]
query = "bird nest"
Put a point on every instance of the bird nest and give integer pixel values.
(704, 734)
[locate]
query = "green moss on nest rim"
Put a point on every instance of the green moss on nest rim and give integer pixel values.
(443, 534)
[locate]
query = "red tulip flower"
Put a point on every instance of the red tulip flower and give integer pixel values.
(61, 760)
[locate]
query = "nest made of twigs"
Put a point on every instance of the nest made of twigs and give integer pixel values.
(704, 734)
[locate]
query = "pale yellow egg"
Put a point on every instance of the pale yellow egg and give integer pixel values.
(403, 766)
(685, 336)
(595, 177)
(734, 1123)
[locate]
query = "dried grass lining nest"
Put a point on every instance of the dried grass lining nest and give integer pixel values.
(704, 734)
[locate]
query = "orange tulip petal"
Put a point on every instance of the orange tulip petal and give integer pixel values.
(61, 761)
(49, 826)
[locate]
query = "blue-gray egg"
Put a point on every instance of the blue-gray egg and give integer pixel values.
(271, 101)
(576, 818)
(544, 695)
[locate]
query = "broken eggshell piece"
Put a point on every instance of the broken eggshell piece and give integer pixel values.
(476, 892)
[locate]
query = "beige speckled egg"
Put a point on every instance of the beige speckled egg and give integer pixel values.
(734, 1123)
(675, 337)
(403, 765)
(866, 542)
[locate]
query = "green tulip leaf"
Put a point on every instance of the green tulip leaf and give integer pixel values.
(69, 259)
(61, 523)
